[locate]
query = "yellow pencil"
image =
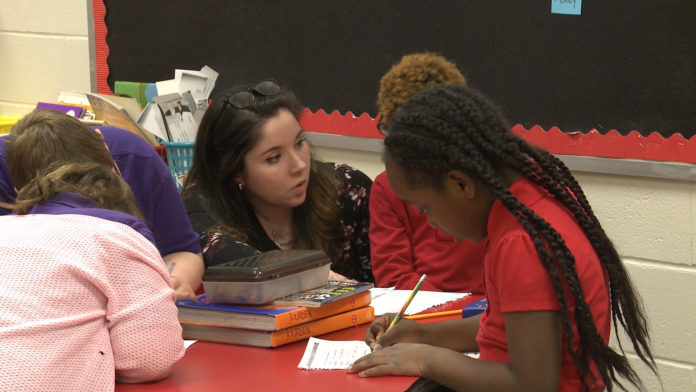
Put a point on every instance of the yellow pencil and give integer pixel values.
(434, 314)
(408, 302)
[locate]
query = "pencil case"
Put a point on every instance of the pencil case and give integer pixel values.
(261, 278)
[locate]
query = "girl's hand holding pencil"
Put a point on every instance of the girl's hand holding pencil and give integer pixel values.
(405, 331)
(375, 334)
(387, 357)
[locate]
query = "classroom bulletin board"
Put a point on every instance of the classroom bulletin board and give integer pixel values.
(618, 80)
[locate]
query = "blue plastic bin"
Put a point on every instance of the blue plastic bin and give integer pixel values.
(179, 158)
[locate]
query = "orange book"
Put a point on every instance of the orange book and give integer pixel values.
(280, 337)
(264, 318)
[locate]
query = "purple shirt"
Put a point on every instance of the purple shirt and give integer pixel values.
(152, 185)
(73, 203)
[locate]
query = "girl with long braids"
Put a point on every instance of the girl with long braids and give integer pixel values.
(553, 279)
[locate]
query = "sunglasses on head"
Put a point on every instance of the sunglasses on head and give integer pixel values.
(244, 98)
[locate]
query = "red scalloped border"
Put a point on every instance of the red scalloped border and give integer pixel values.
(610, 145)
(102, 49)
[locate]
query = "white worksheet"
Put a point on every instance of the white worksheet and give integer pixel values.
(388, 300)
(330, 354)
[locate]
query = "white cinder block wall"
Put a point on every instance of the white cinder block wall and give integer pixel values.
(44, 50)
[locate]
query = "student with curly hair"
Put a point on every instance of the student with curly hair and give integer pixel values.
(254, 186)
(402, 243)
(86, 298)
(554, 281)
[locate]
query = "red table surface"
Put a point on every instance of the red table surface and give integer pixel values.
(215, 367)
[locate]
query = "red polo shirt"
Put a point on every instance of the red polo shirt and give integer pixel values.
(516, 281)
(403, 246)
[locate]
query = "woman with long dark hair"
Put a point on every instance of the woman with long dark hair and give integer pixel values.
(254, 185)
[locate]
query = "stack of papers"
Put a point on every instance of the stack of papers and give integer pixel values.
(178, 108)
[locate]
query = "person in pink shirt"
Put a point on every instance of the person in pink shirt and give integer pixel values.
(547, 261)
(64, 137)
(85, 297)
(403, 246)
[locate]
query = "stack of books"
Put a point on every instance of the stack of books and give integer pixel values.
(334, 306)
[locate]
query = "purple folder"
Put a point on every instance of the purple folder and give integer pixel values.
(75, 111)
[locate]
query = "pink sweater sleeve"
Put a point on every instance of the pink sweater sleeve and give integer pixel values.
(141, 316)
(85, 301)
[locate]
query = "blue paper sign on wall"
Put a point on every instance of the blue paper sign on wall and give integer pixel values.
(567, 7)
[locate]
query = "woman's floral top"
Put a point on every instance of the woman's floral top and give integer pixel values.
(353, 248)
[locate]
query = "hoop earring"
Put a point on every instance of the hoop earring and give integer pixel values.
(241, 187)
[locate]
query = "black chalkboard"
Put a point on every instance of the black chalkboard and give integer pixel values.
(622, 64)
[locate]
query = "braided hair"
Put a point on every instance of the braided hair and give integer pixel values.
(447, 128)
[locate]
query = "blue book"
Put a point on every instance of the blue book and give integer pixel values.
(199, 311)
(474, 308)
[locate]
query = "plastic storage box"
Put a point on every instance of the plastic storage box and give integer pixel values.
(266, 276)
